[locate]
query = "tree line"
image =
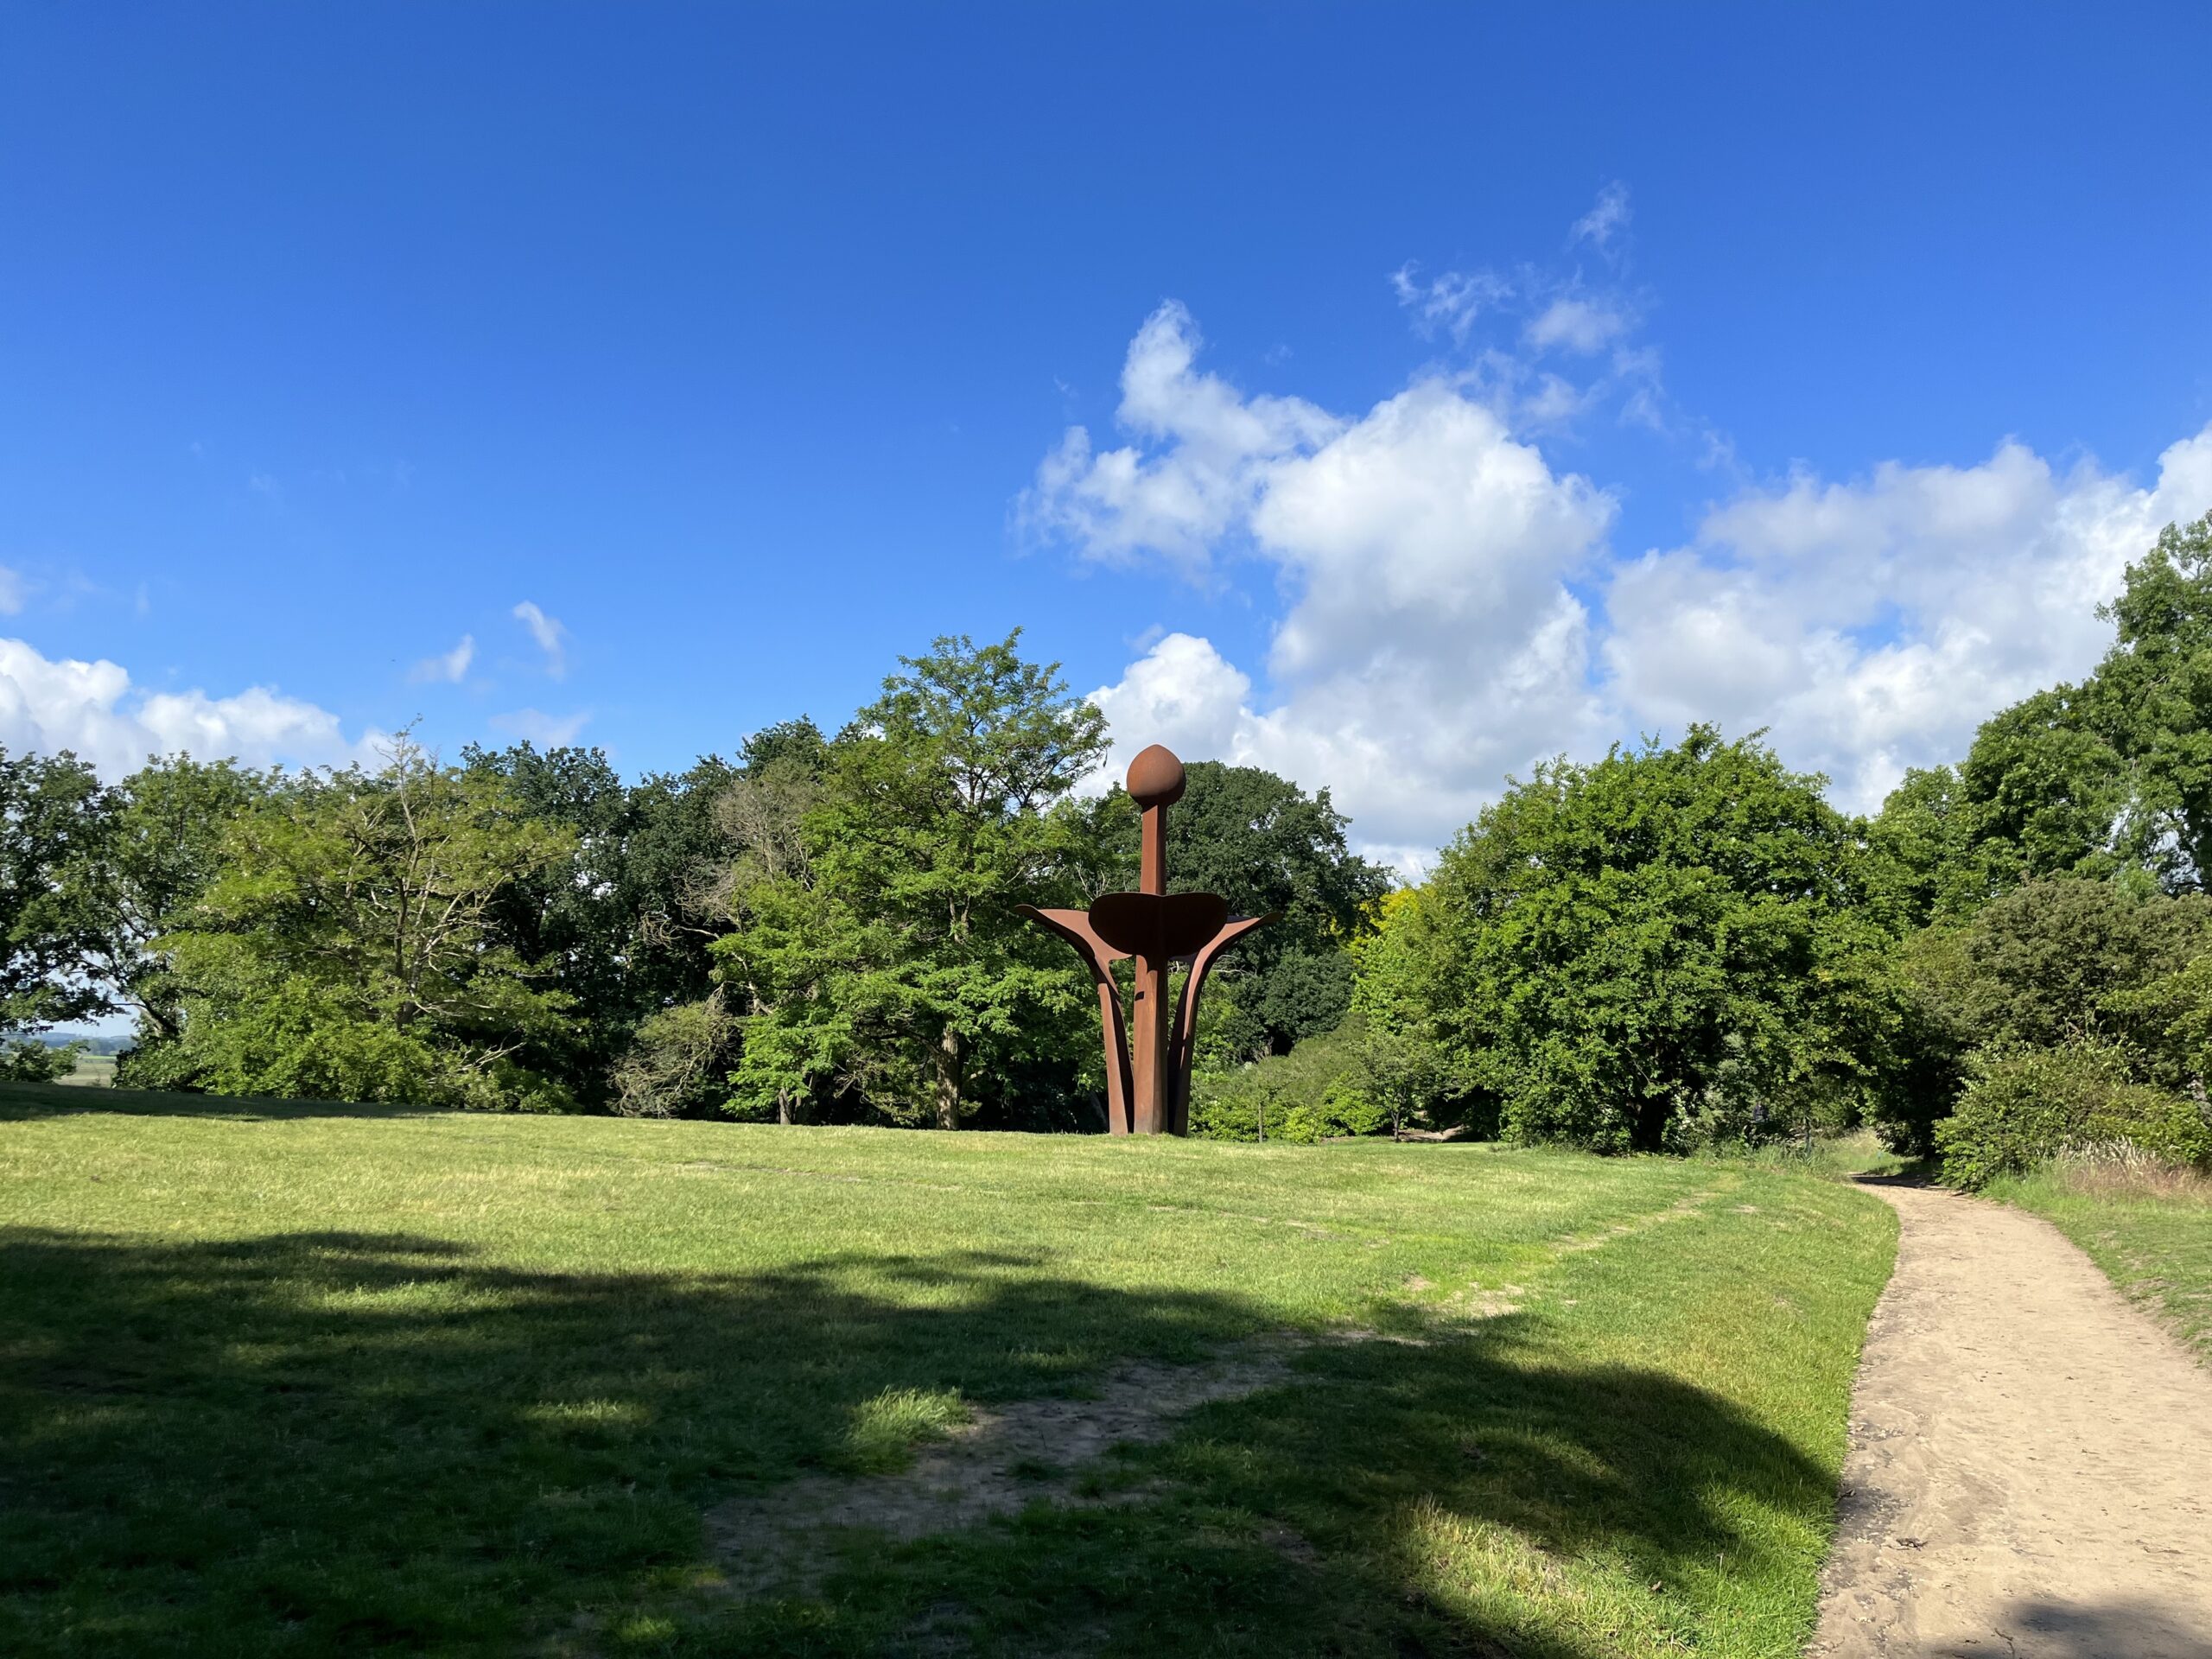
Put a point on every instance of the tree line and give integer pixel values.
(1674, 945)
(1671, 946)
(822, 929)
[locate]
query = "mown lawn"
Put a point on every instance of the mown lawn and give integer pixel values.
(2152, 1237)
(309, 1380)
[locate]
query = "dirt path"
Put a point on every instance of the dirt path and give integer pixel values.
(2030, 1466)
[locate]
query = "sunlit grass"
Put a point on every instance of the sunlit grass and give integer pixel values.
(298, 1380)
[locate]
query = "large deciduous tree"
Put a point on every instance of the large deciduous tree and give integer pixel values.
(53, 816)
(348, 945)
(1656, 943)
(624, 921)
(884, 959)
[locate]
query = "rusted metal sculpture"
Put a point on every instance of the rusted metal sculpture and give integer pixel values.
(1149, 1092)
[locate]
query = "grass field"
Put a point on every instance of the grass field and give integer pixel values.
(92, 1071)
(306, 1380)
(2151, 1232)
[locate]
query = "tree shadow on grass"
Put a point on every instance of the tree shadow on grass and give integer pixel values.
(331, 1443)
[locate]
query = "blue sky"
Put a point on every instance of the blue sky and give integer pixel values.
(1457, 385)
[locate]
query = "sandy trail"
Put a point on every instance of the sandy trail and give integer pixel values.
(2030, 1466)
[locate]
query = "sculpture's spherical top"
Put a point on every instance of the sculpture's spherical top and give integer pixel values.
(1156, 778)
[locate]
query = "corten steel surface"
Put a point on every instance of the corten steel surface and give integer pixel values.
(1148, 1069)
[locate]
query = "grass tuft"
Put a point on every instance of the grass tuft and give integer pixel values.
(886, 1430)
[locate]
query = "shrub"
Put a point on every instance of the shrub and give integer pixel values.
(2025, 1107)
(28, 1060)
(1317, 1091)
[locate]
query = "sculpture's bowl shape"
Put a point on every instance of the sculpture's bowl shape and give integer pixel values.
(1157, 927)
(1156, 778)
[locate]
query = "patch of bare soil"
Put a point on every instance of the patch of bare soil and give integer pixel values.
(2030, 1474)
(1010, 1456)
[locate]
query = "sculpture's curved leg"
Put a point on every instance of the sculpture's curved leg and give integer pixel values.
(1075, 927)
(1186, 1017)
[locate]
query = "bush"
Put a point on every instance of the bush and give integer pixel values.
(28, 1060)
(1317, 1091)
(2024, 1107)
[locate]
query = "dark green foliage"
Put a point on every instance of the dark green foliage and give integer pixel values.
(2036, 967)
(28, 1061)
(2153, 705)
(2023, 1106)
(1652, 947)
(160, 845)
(625, 920)
(2048, 963)
(878, 958)
(1316, 1092)
(1922, 866)
(2043, 787)
(53, 814)
(350, 948)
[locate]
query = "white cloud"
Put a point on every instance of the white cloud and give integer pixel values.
(1204, 452)
(11, 591)
(1873, 626)
(552, 638)
(1451, 302)
(1433, 641)
(547, 731)
(451, 666)
(1431, 644)
(1605, 220)
(92, 709)
(1577, 324)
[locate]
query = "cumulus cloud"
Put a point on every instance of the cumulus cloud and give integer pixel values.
(535, 726)
(1874, 625)
(1431, 644)
(1440, 573)
(92, 709)
(1198, 463)
(451, 666)
(552, 638)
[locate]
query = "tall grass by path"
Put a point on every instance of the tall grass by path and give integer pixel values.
(293, 1379)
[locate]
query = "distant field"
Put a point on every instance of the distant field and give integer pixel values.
(2154, 1238)
(94, 1070)
(309, 1380)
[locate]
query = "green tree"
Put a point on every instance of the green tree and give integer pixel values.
(626, 920)
(159, 845)
(52, 815)
(1925, 864)
(1411, 1066)
(2035, 967)
(1652, 946)
(890, 966)
(347, 948)
(2153, 706)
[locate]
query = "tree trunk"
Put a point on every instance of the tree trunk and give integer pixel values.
(948, 1080)
(783, 1109)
